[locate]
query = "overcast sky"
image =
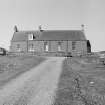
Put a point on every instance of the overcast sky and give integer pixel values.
(54, 14)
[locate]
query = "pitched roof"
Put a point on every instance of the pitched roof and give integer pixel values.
(63, 35)
(50, 35)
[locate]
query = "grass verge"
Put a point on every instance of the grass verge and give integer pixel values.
(81, 83)
(13, 66)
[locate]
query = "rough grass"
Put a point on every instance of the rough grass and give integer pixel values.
(82, 82)
(12, 66)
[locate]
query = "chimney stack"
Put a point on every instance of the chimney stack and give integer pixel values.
(15, 29)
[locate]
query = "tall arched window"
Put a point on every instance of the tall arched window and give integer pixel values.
(46, 47)
(59, 46)
(74, 45)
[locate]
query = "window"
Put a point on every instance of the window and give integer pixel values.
(59, 46)
(31, 37)
(73, 45)
(46, 47)
(18, 48)
(31, 47)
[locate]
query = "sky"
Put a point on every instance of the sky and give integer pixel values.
(54, 15)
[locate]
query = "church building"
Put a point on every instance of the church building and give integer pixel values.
(51, 42)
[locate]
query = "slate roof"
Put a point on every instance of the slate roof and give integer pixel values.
(50, 35)
(23, 35)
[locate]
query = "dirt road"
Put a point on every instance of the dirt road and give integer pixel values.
(35, 87)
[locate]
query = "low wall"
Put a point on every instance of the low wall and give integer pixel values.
(62, 54)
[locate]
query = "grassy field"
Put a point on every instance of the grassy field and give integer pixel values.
(12, 66)
(82, 82)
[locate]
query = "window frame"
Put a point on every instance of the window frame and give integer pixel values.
(31, 47)
(18, 48)
(30, 36)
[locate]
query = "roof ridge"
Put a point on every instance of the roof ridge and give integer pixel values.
(65, 30)
(45, 30)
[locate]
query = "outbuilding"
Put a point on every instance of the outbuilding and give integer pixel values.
(2, 51)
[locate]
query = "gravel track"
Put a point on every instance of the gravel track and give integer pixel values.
(35, 87)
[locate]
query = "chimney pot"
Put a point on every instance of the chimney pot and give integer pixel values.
(40, 28)
(82, 26)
